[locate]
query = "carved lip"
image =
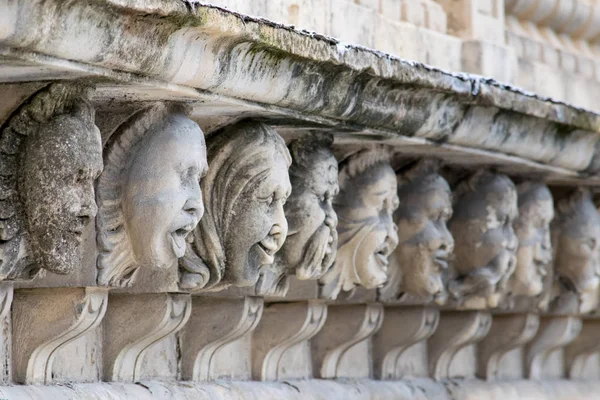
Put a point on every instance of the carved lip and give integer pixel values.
(381, 256)
(178, 239)
(79, 225)
(540, 267)
(268, 247)
(441, 259)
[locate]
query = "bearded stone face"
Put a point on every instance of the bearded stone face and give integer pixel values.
(425, 245)
(58, 172)
(311, 244)
(486, 244)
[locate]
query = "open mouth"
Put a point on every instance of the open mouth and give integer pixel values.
(178, 239)
(441, 261)
(268, 247)
(79, 226)
(540, 267)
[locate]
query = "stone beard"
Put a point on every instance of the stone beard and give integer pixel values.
(58, 162)
(149, 194)
(419, 264)
(576, 241)
(311, 244)
(244, 193)
(367, 233)
(532, 227)
(486, 244)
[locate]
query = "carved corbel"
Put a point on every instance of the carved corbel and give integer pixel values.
(281, 342)
(56, 335)
(455, 332)
(583, 349)
(217, 340)
(342, 349)
(553, 335)
(400, 347)
(129, 341)
(6, 299)
(507, 333)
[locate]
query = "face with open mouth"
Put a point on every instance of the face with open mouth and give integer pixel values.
(163, 201)
(376, 199)
(59, 184)
(576, 236)
(532, 227)
(258, 224)
(425, 245)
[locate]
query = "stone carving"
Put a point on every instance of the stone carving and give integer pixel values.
(367, 233)
(420, 262)
(401, 339)
(244, 193)
(532, 227)
(576, 240)
(125, 344)
(280, 343)
(508, 332)
(59, 317)
(343, 346)
(482, 227)
(456, 331)
(217, 329)
(149, 193)
(553, 335)
(50, 155)
(311, 244)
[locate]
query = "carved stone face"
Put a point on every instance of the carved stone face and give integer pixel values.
(162, 199)
(311, 244)
(367, 233)
(58, 172)
(482, 227)
(577, 247)
(259, 218)
(536, 211)
(425, 244)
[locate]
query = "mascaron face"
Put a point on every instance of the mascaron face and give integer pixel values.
(482, 227)
(311, 244)
(577, 255)
(163, 201)
(58, 177)
(535, 250)
(259, 217)
(368, 204)
(425, 244)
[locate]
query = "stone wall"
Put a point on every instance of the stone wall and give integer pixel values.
(550, 47)
(200, 204)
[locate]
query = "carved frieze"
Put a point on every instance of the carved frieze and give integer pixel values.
(485, 251)
(576, 241)
(244, 192)
(50, 155)
(419, 265)
(311, 244)
(367, 233)
(149, 193)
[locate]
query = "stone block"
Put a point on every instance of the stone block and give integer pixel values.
(413, 12)
(303, 14)
(372, 4)
(488, 59)
(435, 17)
(352, 23)
(391, 9)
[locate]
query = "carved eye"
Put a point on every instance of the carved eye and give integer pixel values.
(267, 200)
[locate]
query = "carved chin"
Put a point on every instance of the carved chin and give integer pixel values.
(59, 254)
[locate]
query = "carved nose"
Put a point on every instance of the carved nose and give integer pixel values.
(331, 221)
(194, 206)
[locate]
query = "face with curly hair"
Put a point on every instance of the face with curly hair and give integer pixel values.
(59, 167)
(162, 198)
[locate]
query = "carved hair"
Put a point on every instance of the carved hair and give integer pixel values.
(237, 158)
(304, 151)
(24, 126)
(424, 169)
(574, 206)
(116, 260)
(476, 181)
(362, 160)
